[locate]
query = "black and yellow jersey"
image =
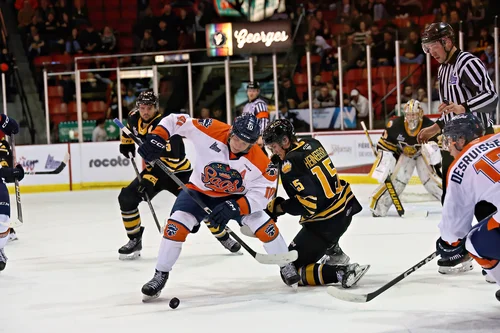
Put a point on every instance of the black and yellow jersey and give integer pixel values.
(398, 138)
(5, 154)
(174, 155)
(310, 179)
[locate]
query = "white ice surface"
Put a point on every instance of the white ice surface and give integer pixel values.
(63, 275)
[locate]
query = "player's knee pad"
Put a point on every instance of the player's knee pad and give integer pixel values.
(179, 225)
(429, 178)
(267, 232)
(4, 224)
(380, 200)
(128, 199)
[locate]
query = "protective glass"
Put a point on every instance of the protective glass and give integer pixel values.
(432, 46)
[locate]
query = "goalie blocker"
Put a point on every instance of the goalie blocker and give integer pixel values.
(399, 155)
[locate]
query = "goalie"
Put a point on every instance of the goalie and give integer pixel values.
(399, 154)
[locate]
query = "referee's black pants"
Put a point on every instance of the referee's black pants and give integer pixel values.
(483, 208)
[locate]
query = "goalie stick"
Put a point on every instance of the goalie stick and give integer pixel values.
(364, 298)
(390, 186)
(56, 171)
(267, 259)
(16, 182)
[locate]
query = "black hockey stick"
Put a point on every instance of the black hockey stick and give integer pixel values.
(363, 298)
(16, 182)
(268, 259)
(138, 175)
(56, 171)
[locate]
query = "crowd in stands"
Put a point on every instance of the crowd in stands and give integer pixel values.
(64, 28)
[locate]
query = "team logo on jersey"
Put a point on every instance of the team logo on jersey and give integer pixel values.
(286, 167)
(272, 170)
(307, 147)
(409, 151)
(389, 124)
(219, 177)
(215, 147)
(172, 229)
(205, 122)
(400, 137)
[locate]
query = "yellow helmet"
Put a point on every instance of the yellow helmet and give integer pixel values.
(413, 114)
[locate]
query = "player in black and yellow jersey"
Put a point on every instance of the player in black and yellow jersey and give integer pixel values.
(6, 162)
(399, 154)
(142, 121)
(324, 202)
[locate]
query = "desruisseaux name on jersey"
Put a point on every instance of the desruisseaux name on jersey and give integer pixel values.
(457, 173)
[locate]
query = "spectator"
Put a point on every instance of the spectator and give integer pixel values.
(52, 35)
(377, 37)
(43, 10)
(413, 50)
(146, 22)
(62, 8)
(422, 96)
(80, 13)
(65, 26)
(108, 40)
(352, 55)
(475, 15)
(435, 91)
(298, 125)
(219, 115)
(35, 23)
(441, 11)
(461, 8)
(485, 39)
(317, 25)
(360, 103)
(200, 27)
(129, 99)
(324, 99)
(384, 53)
(36, 46)
(408, 94)
(185, 22)
(380, 10)
(488, 58)
(288, 94)
(169, 17)
(205, 113)
(73, 44)
(112, 112)
(166, 37)
(99, 133)
(410, 7)
(360, 34)
(90, 40)
(24, 16)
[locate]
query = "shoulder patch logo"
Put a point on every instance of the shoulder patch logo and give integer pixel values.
(272, 170)
(307, 147)
(205, 122)
(389, 124)
(215, 148)
(286, 167)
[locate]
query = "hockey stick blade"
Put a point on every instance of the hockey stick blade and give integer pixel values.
(267, 259)
(56, 171)
(364, 298)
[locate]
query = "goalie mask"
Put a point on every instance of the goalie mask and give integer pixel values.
(413, 114)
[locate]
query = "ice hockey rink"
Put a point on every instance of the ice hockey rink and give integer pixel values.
(63, 275)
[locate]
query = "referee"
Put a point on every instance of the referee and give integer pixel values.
(464, 86)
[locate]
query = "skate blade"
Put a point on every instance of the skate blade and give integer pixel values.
(13, 239)
(295, 287)
(364, 269)
(131, 256)
(464, 267)
(147, 299)
(344, 260)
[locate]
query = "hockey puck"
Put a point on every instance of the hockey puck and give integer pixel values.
(174, 303)
(497, 295)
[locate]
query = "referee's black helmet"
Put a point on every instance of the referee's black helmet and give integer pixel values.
(437, 31)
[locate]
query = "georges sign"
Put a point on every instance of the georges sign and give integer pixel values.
(226, 39)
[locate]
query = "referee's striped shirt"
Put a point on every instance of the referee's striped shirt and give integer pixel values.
(464, 80)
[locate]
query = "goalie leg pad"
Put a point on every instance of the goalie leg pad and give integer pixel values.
(429, 178)
(381, 201)
(383, 166)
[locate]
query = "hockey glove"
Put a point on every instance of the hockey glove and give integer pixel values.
(152, 147)
(224, 212)
(451, 253)
(8, 125)
(12, 174)
(273, 207)
(275, 159)
(147, 185)
(127, 150)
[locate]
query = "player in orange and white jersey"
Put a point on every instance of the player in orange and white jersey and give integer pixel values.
(473, 176)
(231, 176)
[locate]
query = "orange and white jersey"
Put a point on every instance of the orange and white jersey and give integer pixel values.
(473, 176)
(217, 171)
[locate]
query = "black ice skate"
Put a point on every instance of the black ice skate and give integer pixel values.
(335, 256)
(133, 248)
(12, 235)
(290, 275)
(152, 289)
(487, 277)
(461, 264)
(229, 243)
(3, 260)
(349, 275)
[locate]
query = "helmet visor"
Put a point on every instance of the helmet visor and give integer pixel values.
(431, 46)
(452, 139)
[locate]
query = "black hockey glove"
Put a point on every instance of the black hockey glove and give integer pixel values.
(275, 159)
(451, 253)
(12, 174)
(147, 185)
(8, 125)
(272, 208)
(152, 147)
(127, 150)
(224, 212)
